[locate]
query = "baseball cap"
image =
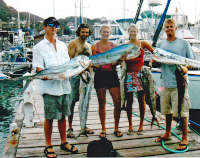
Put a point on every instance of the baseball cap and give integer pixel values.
(51, 20)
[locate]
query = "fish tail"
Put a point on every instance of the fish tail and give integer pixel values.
(82, 133)
(28, 81)
(155, 119)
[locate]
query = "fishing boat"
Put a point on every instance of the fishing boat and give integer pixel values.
(15, 57)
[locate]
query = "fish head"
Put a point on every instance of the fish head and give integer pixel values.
(84, 61)
(134, 52)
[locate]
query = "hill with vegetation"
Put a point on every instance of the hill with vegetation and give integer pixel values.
(9, 20)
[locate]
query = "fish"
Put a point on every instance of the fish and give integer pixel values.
(149, 89)
(181, 86)
(73, 67)
(123, 89)
(85, 89)
(167, 57)
(113, 55)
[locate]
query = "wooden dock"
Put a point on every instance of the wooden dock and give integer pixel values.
(32, 140)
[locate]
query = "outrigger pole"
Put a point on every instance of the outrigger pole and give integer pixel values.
(159, 28)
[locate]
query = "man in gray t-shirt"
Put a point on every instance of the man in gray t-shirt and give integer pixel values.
(169, 95)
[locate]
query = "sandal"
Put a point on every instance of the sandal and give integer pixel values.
(159, 139)
(118, 133)
(130, 132)
(89, 131)
(182, 145)
(102, 135)
(70, 133)
(46, 152)
(140, 132)
(63, 147)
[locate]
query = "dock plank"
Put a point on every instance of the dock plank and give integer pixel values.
(32, 140)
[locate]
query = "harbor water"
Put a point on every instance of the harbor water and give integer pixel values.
(10, 96)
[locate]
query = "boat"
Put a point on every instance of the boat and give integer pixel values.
(15, 57)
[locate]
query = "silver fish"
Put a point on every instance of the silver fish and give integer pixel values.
(149, 89)
(74, 67)
(113, 55)
(123, 89)
(167, 57)
(85, 90)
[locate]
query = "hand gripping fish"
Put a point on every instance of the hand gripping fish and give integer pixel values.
(167, 57)
(74, 67)
(85, 90)
(149, 89)
(114, 54)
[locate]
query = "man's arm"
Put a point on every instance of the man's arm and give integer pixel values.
(72, 49)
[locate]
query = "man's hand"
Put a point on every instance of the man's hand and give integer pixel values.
(38, 69)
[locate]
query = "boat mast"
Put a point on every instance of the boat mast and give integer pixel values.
(54, 15)
(18, 16)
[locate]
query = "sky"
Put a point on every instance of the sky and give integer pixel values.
(102, 8)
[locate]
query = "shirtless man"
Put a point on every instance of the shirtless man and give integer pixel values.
(77, 47)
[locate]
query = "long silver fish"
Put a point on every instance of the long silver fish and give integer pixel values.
(73, 67)
(149, 89)
(113, 55)
(167, 57)
(123, 89)
(85, 90)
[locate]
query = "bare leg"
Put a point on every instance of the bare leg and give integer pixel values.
(142, 107)
(115, 93)
(70, 118)
(129, 109)
(62, 130)
(101, 94)
(167, 134)
(48, 131)
(185, 132)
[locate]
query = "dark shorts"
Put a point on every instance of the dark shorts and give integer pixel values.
(106, 79)
(56, 107)
(75, 83)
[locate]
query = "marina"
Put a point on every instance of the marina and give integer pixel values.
(31, 141)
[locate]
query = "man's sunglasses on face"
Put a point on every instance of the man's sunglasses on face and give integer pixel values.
(52, 25)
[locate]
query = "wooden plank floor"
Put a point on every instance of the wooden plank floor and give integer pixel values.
(32, 140)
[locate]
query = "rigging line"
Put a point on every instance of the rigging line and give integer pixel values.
(128, 10)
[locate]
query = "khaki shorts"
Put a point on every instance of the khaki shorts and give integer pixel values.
(56, 107)
(169, 102)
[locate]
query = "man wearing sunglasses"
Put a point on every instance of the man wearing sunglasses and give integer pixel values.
(77, 47)
(56, 94)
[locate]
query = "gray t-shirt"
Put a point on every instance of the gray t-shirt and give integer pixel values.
(179, 47)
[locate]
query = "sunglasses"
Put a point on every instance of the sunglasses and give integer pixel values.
(52, 25)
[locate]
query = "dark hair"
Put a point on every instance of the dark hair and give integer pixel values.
(83, 25)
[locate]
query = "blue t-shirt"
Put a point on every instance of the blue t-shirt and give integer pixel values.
(179, 47)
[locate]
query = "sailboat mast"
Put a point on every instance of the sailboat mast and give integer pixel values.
(18, 16)
(54, 9)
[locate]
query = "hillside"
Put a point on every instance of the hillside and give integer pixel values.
(7, 12)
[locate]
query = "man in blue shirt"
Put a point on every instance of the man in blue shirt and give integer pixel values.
(169, 96)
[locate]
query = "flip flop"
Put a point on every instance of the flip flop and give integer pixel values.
(70, 133)
(182, 145)
(102, 135)
(130, 132)
(118, 133)
(159, 139)
(140, 132)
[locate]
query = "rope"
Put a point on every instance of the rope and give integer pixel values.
(174, 151)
